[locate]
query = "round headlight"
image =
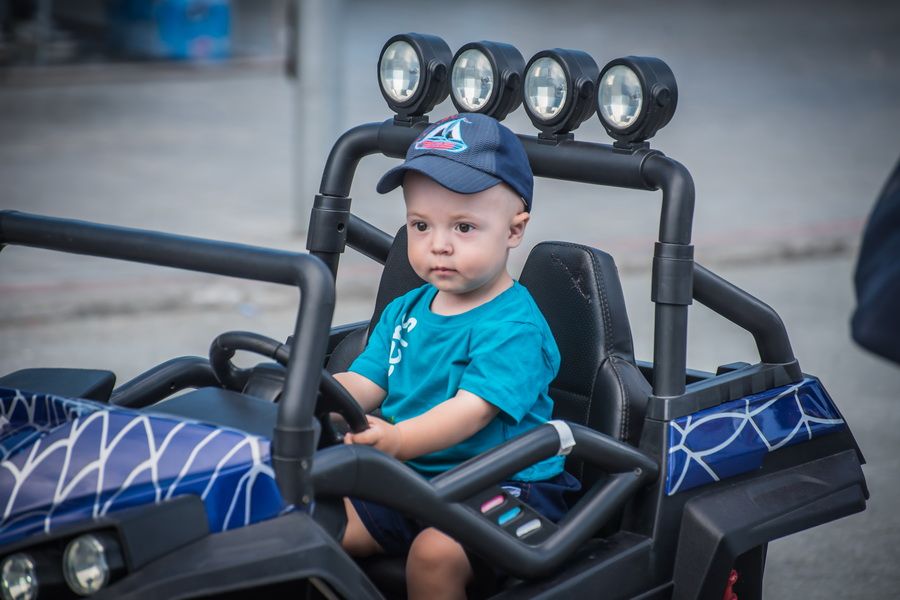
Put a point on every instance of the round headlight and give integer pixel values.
(472, 80)
(486, 78)
(18, 579)
(546, 88)
(85, 565)
(636, 97)
(559, 92)
(620, 97)
(400, 71)
(414, 74)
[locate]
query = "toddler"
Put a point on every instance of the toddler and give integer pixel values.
(462, 363)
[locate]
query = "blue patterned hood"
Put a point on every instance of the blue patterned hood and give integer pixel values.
(65, 461)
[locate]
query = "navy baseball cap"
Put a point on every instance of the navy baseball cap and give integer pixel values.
(467, 153)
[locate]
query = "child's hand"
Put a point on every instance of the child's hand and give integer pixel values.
(381, 434)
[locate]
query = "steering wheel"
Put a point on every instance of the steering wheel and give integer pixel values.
(333, 397)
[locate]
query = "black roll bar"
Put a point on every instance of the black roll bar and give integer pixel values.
(368, 239)
(295, 431)
(331, 223)
(345, 155)
(748, 312)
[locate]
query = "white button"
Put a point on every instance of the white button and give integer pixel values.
(529, 527)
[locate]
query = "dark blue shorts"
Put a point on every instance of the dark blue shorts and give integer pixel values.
(395, 532)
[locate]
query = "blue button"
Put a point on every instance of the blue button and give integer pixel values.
(509, 516)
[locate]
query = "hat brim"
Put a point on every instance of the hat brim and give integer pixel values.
(454, 176)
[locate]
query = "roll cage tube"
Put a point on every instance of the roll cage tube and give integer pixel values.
(295, 431)
(748, 312)
(331, 224)
(363, 472)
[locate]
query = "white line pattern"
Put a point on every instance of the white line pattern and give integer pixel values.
(63, 461)
(743, 419)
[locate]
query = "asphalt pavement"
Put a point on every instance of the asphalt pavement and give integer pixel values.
(787, 120)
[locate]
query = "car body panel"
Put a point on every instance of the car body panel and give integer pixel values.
(66, 460)
(734, 437)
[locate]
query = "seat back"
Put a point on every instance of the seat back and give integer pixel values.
(578, 291)
(397, 278)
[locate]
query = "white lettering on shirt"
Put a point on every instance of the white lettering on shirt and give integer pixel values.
(397, 341)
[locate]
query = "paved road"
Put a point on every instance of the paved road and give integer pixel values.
(787, 122)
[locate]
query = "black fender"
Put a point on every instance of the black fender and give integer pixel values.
(719, 526)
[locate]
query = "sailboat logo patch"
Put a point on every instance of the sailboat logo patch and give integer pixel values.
(446, 136)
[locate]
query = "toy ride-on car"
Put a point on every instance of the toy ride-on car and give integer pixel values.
(200, 479)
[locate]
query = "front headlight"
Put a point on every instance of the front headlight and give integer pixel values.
(560, 90)
(18, 578)
(620, 97)
(636, 97)
(486, 78)
(399, 71)
(472, 80)
(413, 73)
(85, 565)
(546, 88)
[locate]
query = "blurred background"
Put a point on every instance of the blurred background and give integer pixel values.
(212, 118)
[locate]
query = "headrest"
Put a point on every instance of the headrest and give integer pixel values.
(578, 290)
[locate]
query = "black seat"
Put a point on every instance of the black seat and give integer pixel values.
(577, 289)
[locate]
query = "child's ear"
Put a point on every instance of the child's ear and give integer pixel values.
(517, 228)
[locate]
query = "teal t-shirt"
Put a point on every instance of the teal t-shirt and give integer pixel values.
(502, 351)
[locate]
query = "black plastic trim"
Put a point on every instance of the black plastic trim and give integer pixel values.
(723, 388)
(91, 384)
(225, 408)
(673, 270)
(328, 224)
(339, 332)
(691, 375)
(145, 532)
(163, 380)
(363, 472)
(722, 524)
(618, 564)
(288, 548)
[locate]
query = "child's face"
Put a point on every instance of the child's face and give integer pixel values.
(460, 242)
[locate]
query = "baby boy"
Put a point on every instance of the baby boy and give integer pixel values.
(463, 363)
